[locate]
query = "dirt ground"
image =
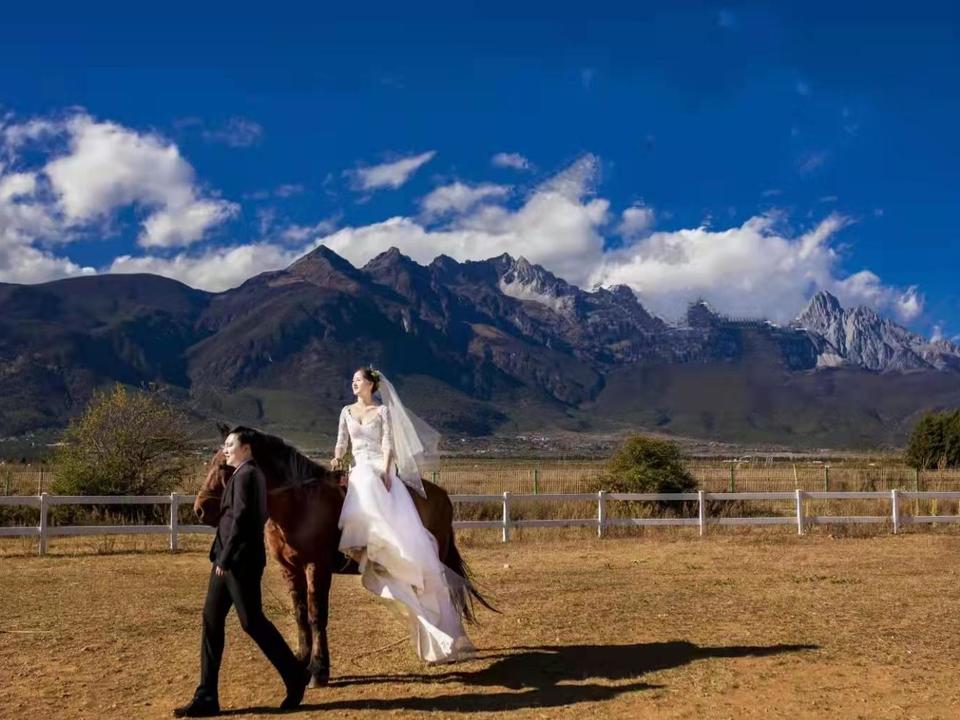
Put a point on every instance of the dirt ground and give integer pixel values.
(728, 626)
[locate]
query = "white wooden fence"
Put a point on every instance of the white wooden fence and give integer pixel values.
(43, 531)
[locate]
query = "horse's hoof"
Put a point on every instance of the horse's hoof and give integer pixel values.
(319, 680)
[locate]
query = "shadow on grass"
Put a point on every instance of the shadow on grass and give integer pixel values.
(539, 677)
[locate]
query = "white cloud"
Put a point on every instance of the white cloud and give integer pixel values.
(557, 226)
(25, 217)
(20, 263)
(87, 171)
(303, 233)
(866, 288)
(215, 270)
(636, 222)
(238, 132)
(755, 269)
(289, 190)
(281, 191)
(458, 197)
(908, 304)
(511, 160)
(17, 184)
(16, 135)
(176, 226)
(221, 268)
(391, 174)
(109, 166)
(749, 271)
(812, 161)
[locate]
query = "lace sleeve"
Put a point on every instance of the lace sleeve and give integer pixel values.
(343, 435)
(386, 439)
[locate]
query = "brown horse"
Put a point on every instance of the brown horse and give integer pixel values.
(303, 502)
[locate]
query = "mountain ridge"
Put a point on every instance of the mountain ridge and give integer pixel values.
(492, 346)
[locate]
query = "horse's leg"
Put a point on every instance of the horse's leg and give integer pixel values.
(318, 595)
(295, 577)
(297, 584)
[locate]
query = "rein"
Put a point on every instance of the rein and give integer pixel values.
(273, 491)
(284, 488)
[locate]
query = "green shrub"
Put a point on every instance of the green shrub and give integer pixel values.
(126, 443)
(935, 441)
(647, 465)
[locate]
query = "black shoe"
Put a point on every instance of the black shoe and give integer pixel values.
(295, 690)
(198, 707)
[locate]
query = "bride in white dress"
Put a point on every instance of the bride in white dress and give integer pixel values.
(381, 528)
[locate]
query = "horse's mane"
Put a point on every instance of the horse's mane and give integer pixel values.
(288, 465)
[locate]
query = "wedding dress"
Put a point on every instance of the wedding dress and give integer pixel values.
(382, 530)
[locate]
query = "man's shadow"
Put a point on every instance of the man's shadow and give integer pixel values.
(542, 676)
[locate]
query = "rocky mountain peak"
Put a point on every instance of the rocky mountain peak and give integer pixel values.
(523, 280)
(390, 259)
(861, 336)
(624, 292)
(701, 314)
(822, 309)
(324, 267)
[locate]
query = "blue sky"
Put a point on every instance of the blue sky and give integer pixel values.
(746, 153)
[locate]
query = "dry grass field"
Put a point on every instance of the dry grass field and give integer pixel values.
(544, 475)
(666, 625)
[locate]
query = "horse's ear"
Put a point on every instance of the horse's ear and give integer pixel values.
(224, 430)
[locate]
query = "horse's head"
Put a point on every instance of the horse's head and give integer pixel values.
(207, 504)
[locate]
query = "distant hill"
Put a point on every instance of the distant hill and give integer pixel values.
(479, 348)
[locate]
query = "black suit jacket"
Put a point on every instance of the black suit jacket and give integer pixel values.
(243, 512)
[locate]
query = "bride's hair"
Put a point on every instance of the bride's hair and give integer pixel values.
(372, 375)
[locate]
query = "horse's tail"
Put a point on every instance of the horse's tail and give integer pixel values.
(464, 593)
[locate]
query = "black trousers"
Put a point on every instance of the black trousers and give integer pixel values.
(240, 589)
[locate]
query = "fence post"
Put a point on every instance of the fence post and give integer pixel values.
(826, 478)
(601, 512)
(506, 517)
(799, 512)
(916, 479)
(733, 481)
(895, 509)
(42, 545)
(174, 521)
(536, 481)
(701, 512)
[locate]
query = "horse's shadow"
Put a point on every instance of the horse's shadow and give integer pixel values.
(542, 676)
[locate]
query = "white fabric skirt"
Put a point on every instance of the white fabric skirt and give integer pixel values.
(400, 564)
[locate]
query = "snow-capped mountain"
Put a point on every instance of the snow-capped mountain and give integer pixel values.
(863, 338)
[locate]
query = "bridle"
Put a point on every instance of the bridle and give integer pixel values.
(208, 495)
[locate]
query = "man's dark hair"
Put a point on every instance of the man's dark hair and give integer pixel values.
(245, 435)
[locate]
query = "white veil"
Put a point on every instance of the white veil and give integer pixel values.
(415, 443)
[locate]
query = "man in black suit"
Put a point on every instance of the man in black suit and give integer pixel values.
(238, 558)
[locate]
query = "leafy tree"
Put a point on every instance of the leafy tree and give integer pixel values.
(127, 442)
(935, 441)
(648, 465)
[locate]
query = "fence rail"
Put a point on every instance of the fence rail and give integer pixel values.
(484, 475)
(601, 521)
